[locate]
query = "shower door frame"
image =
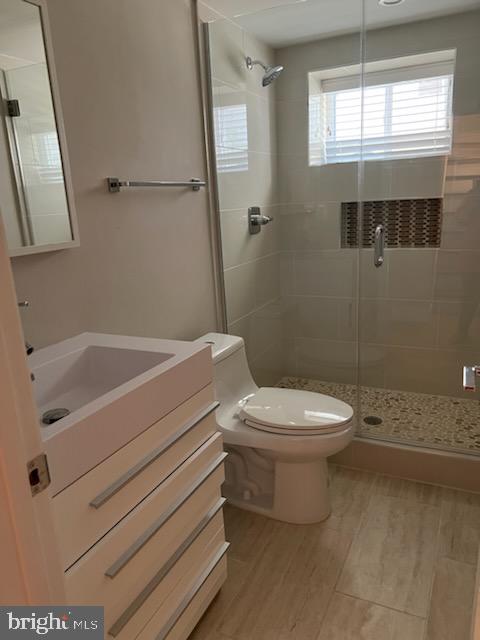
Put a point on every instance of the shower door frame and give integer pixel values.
(206, 93)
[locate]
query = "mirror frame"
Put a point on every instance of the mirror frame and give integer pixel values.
(62, 141)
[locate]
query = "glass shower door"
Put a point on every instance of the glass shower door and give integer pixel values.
(419, 315)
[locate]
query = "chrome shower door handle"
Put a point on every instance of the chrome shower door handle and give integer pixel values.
(379, 245)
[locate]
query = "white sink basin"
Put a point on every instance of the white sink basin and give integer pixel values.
(113, 387)
(74, 379)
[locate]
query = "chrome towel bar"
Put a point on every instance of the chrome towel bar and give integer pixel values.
(115, 184)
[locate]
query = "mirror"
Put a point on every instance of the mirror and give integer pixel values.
(35, 194)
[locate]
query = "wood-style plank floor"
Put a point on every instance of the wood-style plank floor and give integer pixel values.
(396, 560)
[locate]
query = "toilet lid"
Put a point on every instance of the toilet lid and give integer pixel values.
(299, 412)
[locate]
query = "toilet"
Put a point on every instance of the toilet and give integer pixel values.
(278, 440)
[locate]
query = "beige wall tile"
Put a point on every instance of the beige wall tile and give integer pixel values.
(292, 123)
(419, 178)
(391, 561)
(310, 226)
(287, 273)
(398, 322)
(373, 280)
(269, 366)
(227, 52)
(315, 318)
(254, 187)
(326, 183)
(422, 370)
(240, 291)
(457, 275)
(427, 370)
(261, 119)
(323, 318)
(325, 273)
(411, 273)
(326, 359)
(262, 329)
(239, 246)
(461, 222)
(458, 324)
(372, 359)
(352, 619)
(251, 285)
(452, 601)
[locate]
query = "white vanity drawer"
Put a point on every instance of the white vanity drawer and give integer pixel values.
(159, 529)
(157, 617)
(195, 603)
(176, 619)
(92, 505)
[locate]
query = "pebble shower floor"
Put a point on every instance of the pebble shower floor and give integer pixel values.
(404, 416)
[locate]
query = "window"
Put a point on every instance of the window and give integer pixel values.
(231, 137)
(406, 114)
(47, 156)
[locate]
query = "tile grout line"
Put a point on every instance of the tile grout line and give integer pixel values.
(360, 527)
(434, 572)
(354, 536)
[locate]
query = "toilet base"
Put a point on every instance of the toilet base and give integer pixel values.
(300, 493)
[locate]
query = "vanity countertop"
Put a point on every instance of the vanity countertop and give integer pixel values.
(114, 387)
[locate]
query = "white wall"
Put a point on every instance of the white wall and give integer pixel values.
(129, 89)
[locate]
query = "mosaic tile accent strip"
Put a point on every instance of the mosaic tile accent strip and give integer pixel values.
(414, 418)
(408, 223)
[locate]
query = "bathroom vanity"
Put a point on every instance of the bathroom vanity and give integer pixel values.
(137, 468)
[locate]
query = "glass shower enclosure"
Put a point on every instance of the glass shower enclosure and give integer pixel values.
(348, 207)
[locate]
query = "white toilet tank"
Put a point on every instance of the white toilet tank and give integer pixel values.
(232, 378)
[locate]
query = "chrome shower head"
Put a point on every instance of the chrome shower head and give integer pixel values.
(271, 73)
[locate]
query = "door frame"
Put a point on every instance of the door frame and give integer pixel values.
(29, 554)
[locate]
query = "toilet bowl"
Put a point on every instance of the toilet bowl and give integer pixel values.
(278, 439)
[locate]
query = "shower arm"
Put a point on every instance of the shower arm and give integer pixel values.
(251, 63)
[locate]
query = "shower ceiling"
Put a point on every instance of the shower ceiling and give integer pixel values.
(287, 24)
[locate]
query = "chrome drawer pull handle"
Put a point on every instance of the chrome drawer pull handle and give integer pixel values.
(142, 540)
(192, 593)
(132, 473)
(132, 609)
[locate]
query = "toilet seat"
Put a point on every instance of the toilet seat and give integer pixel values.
(294, 412)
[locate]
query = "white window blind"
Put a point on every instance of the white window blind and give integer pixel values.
(231, 137)
(406, 114)
(47, 156)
